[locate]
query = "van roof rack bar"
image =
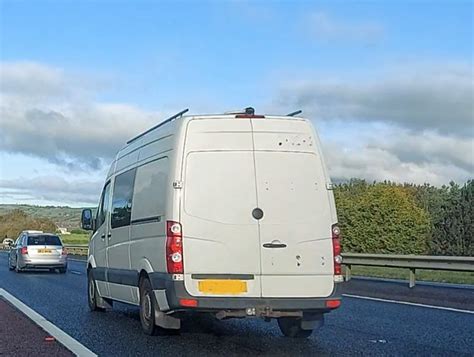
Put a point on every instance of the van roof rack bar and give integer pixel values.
(177, 115)
(294, 113)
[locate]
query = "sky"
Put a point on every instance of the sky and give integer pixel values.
(388, 84)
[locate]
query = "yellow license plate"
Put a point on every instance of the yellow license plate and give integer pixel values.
(44, 250)
(221, 287)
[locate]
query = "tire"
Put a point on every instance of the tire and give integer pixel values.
(147, 308)
(10, 267)
(291, 327)
(63, 270)
(92, 293)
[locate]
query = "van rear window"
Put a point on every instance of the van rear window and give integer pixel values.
(44, 240)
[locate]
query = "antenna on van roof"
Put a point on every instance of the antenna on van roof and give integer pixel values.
(294, 113)
(177, 115)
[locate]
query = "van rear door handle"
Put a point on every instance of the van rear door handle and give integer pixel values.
(274, 245)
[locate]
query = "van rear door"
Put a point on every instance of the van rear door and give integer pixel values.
(221, 246)
(295, 230)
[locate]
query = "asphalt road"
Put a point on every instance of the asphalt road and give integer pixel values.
(359, 327)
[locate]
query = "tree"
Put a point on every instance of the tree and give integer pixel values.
(12, 223)
(381, 218)
(452, 220)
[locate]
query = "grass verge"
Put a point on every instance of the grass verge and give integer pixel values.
(75, 238)
(440, 276)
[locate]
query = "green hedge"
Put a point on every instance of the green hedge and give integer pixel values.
(385, 217)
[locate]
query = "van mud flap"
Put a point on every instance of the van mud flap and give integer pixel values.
(166, 321)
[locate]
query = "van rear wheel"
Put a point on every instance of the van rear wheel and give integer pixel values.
(291, 327)
(147, 307)
(92, 293)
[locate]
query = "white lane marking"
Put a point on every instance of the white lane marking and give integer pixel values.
(67, 341)
(75, 272)
(409, 303)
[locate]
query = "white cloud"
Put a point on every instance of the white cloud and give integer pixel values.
(438, 98)
(51, 188)
(324, 27)
(391, 153)
(48, 114)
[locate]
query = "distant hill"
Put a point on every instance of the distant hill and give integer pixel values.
(62, 216)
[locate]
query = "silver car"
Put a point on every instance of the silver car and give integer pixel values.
(38, 250)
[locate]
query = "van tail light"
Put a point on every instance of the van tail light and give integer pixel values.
(333, 304)
(64, 251)
(24, 250)
(174, 248)
(336, 249)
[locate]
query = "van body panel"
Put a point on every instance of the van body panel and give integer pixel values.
(283, 135)
(296, 215)
(156, 148)
(219, 234)
(297, 209)
(219, 134)
(126, 161)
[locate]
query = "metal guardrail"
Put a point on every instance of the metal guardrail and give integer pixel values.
(77, 249)
(411, 262)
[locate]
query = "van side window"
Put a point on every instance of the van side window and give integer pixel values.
(151, 180)
(104, 205)
(122, 199)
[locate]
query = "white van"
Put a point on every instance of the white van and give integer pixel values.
(227, 214)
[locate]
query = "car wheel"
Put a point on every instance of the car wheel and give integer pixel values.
(92, 293)
(147, 307)
(291, 327)
(10, 267)
(62, 270)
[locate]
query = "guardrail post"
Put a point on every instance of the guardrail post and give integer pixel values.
(348, 272)
(412, 277)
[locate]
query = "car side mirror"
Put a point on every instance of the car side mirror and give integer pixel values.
(87, 222)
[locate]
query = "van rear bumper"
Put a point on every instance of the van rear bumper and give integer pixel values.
(175, 292)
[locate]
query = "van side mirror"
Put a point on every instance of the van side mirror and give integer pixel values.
(87, 222)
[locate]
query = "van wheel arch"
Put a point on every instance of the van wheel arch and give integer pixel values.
(143, 275)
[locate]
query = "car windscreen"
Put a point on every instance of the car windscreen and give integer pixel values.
(44, 240)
